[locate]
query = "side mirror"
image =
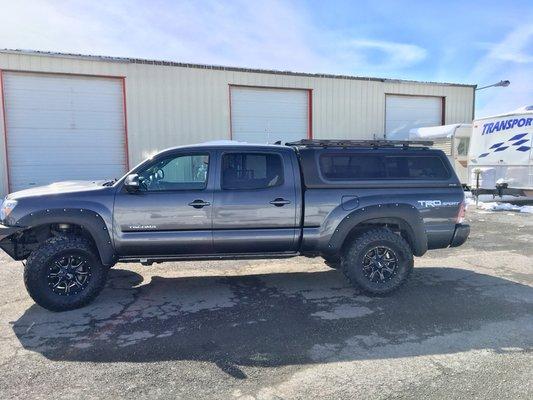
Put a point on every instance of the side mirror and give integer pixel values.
(132, 183)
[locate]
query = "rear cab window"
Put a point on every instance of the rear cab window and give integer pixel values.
(251, 170)
(359, 166)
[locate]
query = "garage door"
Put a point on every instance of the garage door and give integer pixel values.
(403, 113)
(260, 115)
(63, 127)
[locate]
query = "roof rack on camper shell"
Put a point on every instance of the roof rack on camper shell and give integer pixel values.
(361, 143)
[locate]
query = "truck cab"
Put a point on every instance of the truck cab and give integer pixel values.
(206, 200)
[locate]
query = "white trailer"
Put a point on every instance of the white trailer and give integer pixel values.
(500, 156)
(453, 139)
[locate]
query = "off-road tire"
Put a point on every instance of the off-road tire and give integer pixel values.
(352, 261)
(37, 269)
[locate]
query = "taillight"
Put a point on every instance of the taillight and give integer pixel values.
(461, 213)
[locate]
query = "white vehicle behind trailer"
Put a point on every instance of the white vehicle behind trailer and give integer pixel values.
(453, 139)
(500, 156)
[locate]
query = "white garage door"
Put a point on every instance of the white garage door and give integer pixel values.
(260, 115)
(62, 127)
(403, 113)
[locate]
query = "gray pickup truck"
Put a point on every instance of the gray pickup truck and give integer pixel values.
(366, 207)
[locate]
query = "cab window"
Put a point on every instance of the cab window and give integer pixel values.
(180, 172)
(251, 171)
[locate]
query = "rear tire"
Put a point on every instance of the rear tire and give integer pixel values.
(378, 261)
(64, 273)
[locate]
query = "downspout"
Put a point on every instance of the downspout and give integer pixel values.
(474, 102)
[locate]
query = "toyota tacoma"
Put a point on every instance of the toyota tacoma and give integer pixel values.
(366, 207)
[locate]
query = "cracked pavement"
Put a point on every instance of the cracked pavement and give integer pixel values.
(286, 329)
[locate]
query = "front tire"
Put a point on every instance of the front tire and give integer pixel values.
(378, 261)
(64, 273)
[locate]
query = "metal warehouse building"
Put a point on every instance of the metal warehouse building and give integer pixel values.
(67, 117)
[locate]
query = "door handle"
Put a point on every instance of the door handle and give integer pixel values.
(199, 203)
(279, 202)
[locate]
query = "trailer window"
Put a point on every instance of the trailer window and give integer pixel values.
(462, 146)
(353, 167)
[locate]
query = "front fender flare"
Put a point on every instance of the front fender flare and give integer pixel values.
(405, 212)
(89, 220)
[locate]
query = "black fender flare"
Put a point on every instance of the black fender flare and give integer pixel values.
(89, 220)
(405, 212)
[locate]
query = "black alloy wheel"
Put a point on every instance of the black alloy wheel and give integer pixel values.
(69, 274)
(380, 264)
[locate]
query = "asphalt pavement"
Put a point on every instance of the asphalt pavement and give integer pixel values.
(286, 329)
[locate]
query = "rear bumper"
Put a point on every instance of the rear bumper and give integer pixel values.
(460, 235)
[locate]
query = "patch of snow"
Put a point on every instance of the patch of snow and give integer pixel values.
(494, 206)
(469, 201)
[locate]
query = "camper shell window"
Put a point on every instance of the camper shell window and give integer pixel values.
(357, 166)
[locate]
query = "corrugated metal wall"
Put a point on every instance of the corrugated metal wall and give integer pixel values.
(169, 105)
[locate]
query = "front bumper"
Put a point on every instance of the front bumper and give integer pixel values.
(6, 231)
(460, 235)
(9, 246)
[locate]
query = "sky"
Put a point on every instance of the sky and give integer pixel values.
(464, 41)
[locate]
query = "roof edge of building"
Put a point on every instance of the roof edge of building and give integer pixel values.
(218, 67)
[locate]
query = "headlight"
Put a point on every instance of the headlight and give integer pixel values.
(7, 207)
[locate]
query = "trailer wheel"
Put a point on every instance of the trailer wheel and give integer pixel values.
(378, 261)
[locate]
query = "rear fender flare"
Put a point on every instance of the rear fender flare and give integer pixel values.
(89, 220)
(404, 212)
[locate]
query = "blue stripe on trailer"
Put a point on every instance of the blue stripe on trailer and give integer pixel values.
(519, 136)
(501, 148)
(523, 148)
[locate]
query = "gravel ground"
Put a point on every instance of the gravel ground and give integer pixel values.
(286, 329)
